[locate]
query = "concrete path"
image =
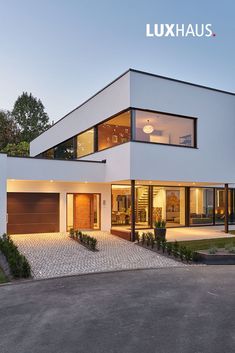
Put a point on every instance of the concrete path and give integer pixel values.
(171, 310)
(55, 254)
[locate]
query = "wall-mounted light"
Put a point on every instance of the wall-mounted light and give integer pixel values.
(148, 129)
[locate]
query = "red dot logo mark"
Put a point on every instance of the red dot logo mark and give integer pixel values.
(213, 35)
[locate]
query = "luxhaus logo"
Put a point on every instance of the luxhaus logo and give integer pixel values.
(179, 30)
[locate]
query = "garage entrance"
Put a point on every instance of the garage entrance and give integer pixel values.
(32, 212)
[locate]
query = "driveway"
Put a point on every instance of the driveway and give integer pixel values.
(170, 310)
(55, 254)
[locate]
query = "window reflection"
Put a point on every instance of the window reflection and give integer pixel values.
(164, 128)
(114, 131)
(85, 143)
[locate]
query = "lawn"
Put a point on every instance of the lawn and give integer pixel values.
(2, 277)
(208, 243)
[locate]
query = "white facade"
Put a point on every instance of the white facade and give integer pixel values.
(208, 164)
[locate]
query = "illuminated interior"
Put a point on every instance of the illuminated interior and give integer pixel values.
(164, 128)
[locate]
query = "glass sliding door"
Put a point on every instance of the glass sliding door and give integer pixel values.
(121, 205)
(169, 205)
(142, 207)
(219, 206)
(231, 208)
(201, 206)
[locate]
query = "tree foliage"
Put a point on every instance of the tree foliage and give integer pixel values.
(20, 149)
(9, 131)
(30, 116)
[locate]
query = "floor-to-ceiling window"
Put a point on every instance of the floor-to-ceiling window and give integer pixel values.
(121, 205)
(142, 206)
(231, 209)
(201, 206)
(219, 206)
(169, 205)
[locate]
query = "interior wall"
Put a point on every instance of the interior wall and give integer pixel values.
(63, 188)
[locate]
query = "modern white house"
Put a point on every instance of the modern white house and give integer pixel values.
(143, 148)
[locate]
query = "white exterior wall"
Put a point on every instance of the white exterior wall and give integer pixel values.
(212, 161)
(3, 195)
(117, 162)
(44, 169)
(108, 102)
(63, 188)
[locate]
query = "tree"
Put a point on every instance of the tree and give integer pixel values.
(30, 116)
(9, 131)
(17, 149)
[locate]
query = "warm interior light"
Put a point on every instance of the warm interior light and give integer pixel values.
(148, 128)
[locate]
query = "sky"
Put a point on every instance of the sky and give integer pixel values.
(64, 51)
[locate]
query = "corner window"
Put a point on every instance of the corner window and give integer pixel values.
(114, 131)
(164, 129)
(85, 143)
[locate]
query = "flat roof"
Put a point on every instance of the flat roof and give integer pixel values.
(143, 73)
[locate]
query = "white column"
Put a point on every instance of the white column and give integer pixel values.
(62, 211)
(3, 194)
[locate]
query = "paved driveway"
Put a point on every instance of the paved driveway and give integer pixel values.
(170, 310)
(55, 254)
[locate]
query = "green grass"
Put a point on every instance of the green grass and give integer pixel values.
(2, 277)
(204, 244)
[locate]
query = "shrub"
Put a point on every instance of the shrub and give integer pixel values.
(143, 238)
(175, 249)
(148, 239)
(18, 263)
(158, 243)
(160, 224)
(213, 250)
(195, 256)
(232, 250)
(182, 251)
(169, 248)
(71, 232)
(229, 246)
(163, 245)
(137, 237)
(87, 240)
(188, 254)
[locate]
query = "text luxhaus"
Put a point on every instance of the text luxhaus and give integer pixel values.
(179, 30)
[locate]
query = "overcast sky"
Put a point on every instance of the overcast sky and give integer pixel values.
(63, 51)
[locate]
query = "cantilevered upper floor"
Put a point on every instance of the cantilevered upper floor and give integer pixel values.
(167, 127)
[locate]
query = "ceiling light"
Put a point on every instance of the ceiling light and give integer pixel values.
(148, 129)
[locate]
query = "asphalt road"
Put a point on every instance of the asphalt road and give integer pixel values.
(174, 310)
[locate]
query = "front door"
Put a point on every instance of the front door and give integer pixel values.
(83, 211)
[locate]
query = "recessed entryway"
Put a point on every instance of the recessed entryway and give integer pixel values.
(83, 211)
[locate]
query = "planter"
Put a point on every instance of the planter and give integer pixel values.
(160, 233)
(84, 244)
(219, 258)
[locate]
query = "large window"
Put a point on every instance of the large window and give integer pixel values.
(169, 205)
(65, 150)
(114, 131)
(85, 143)
(121, 205)
(201, 206)
(164, 129)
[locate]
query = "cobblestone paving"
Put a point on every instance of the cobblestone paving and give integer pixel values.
(55, 254)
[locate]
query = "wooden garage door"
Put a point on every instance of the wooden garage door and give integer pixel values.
(32, 212)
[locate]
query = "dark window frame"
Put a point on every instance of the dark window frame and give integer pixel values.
(195, 123)
(132, 131)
